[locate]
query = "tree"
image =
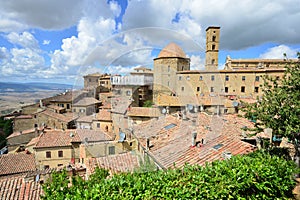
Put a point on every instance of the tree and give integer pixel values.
(279, 108)
(148, 104)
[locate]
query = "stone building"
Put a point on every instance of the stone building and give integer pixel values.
(176, 87)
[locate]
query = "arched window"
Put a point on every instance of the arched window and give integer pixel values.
(213, 61)
(213, 47)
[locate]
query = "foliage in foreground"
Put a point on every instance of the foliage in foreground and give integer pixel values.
(255, 176)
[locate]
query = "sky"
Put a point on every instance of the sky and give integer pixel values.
(62, 40)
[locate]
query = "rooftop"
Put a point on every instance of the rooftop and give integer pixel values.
(17, 188)
(104, 115)
(16, 163)
(57, 138)
(86, 101)
(92, 135)
(28, 131)
(66, 117)
(170, 132)
(171, 50)
(125, 162)
(143, 112)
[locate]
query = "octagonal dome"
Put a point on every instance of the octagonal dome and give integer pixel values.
(171, 50)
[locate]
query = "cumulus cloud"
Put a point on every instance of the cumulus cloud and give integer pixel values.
(24, 39)
(278, 51)
(46, 42)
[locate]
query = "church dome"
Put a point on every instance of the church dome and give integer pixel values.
(171, 50)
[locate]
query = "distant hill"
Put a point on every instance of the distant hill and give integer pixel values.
(32, 87)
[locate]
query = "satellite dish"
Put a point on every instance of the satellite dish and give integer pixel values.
(190, 107)
(235, 104)
(164, 111)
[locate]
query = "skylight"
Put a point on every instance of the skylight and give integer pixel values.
(169, 126)
(218, 146)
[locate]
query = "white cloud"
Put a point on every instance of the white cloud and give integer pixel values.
(197, 63)
(278, 51)
(24, 39)
(46, 42)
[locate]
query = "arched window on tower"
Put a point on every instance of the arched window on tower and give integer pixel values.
(213, 61)
(213, 38)
(213, 47)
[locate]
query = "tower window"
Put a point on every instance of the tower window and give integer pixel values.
(243, 78)
(214, 38)
(213, 61)
(200, 78)
(213, 47)
(226, 78)
(226, 89)
(212, 77)
(243, 89)
(182, 88)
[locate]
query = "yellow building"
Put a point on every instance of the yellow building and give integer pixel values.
(176, 86)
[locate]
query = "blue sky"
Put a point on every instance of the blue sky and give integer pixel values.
(60, 41)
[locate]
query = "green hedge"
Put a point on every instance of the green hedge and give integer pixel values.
(255, 176)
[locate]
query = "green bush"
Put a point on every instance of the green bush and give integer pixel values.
(255, 176)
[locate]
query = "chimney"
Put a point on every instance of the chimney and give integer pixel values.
(194, 137)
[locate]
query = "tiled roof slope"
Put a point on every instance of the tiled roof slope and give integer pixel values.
(104, 115)
(16, 163)
(87, 101)
(92, 135)
(57, 138)
(171, 138)
(125, 162)
(67, 117)
(143, 112)
(18, 189)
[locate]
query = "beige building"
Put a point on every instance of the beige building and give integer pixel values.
(91, 80)
(176, 87)
(86, 106)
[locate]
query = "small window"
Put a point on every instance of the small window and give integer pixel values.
(226, 89)
(213, 38)
(213, 47)
(179, 78)
(46, 167)
(200, 78)
(243, 89)
(212, 77)
(226, 78)
(169, 68)
(74, 110)
(60, 154)
(68, 106)
(198, 89)
(128, 92)
(256, 89)
(256, 78)
(188, 78)
(90, 80)
(243, 78)
(59, 165)
(48, 154)
(277, 78)
(212, 89)
(213, 61)
(182, 88)
(111, 150)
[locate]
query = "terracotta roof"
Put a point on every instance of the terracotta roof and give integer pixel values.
(104, 115)
(171, 50)
(97, 74)
(33, 141)
(88, 119)
(55, 107)
(66, 117)
(143, 112)
(125, 162)
(18, 133)
(16, 163)
(17, 188)
(87, 101)
(57, 138)
(24, 117)
(92, 135)
(106, 105)
(170, 132)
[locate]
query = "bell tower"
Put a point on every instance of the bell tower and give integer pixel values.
(212, 48)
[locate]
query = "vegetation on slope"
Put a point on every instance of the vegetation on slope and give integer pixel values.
(255, 176)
